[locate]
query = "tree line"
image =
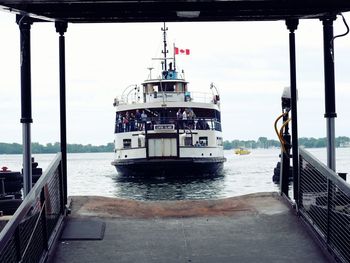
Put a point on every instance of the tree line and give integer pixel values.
(263, 142)
(16, 148)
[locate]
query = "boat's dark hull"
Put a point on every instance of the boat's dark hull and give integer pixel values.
(169, 167)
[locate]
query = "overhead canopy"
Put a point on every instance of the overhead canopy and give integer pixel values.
(104, 11)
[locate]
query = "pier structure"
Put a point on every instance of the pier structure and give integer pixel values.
(321, 198)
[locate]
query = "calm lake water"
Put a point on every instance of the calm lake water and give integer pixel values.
(92, 174)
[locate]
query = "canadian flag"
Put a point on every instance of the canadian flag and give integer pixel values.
(180, 51)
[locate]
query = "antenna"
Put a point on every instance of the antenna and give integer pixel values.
(165, 51)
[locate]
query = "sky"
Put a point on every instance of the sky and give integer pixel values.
(247, 61)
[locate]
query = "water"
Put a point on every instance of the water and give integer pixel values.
(92, 174)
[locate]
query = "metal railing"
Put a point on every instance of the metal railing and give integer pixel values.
(32, 231)
(193, 124)
(324, 203)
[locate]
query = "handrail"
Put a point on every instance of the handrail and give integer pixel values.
(324, 199)
(330, 174)
(10, 228)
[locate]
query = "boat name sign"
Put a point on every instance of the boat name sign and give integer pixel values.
(164, 127)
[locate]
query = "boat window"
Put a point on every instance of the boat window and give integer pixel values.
(152, 87)
(127, 143)
(188, 141)
(179, 87)
(169, 86)
(203, 141)
(219, 141)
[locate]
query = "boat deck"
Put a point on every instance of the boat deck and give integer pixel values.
(252, 228)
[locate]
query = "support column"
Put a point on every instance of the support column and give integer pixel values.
(24, 24)
(61, 28)
(329, 80)
(292, 25)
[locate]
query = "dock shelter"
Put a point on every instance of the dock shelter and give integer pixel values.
(62, 12)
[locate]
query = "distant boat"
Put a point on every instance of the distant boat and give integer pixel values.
(242, 151)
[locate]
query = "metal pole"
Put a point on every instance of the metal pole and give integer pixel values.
(285, 160)
(61, 28)
(292, 25)
(329, 79)
(24, 24)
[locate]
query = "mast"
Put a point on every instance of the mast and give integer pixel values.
(174, 57)
(164, 51)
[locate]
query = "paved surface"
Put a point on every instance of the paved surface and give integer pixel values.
(253, 228)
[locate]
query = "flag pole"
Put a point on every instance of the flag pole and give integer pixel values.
(174, 57)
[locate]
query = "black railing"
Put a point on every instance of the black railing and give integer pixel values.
(193, 124)
(324, 203)
(32, 231)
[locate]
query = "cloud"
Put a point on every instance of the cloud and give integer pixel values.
(248, 62)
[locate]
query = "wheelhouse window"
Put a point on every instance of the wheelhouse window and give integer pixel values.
(219, 141)
(203, 141)
(127, 143)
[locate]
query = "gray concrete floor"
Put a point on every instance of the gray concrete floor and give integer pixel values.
(268, 231)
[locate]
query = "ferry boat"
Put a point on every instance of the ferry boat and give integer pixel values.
(163, 129)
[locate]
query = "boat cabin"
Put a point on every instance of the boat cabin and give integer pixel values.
(169, 88)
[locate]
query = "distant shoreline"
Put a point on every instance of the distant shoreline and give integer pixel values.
(262, 142)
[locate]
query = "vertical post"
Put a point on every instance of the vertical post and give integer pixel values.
(292, 25)
(146, 140)
(285, 159)
(178, 138)
(330, 113)
(61, 28)
(24, 24)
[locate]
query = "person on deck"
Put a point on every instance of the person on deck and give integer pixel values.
(138, 120)
(120, 122)
(132, 122)
(184, 118)
(143, 119)
(179, 118)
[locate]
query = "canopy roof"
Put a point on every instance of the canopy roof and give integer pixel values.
(104, 11)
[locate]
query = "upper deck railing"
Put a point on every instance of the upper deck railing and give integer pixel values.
(324, 203)
(30, 234)
(199, 97)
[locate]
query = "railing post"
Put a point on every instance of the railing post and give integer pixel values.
(61, 189)
(24, 24)
(43, 219)
(178, 138)
(61, 28)
(292, 25)
(18, 244)
(146, 140)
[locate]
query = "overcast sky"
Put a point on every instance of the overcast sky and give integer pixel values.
(247, 61)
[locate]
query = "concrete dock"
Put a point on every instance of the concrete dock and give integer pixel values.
(251, 228)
